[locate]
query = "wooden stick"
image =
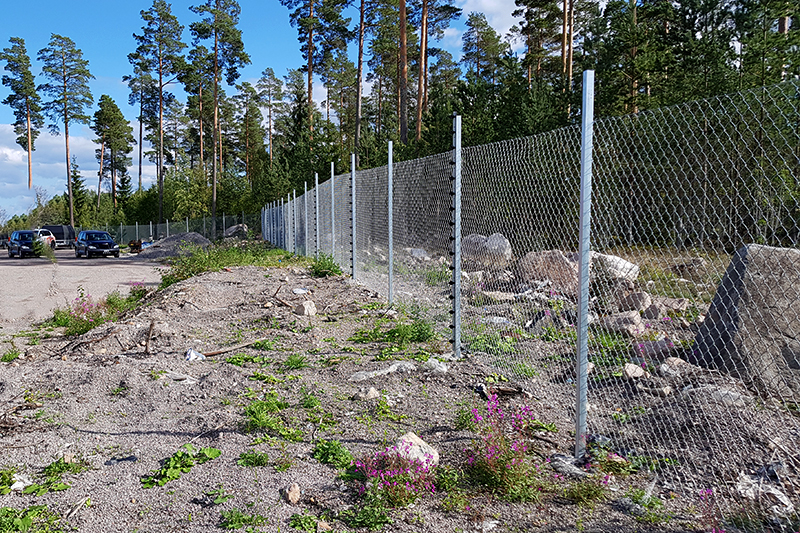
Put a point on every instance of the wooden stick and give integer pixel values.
(149, 336)
(232, 348)
(107, 335)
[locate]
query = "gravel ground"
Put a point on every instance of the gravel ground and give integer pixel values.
(123, 399)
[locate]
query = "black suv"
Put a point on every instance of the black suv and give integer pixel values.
(91, 243)
(20, 243)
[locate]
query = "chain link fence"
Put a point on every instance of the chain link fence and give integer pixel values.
(693, 342)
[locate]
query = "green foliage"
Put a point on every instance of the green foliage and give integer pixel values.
(219, 495)
(308, 400)
(10, 355)
(492, 343)
(295, 361)
(324, 265)
(84, 314)
(194, 260)
(438, 275)
(586, 493)
(261, 416)
(303, 522)
(50, 479)
(383, 411)
(180, 462)
(652, 504)
(332, 452)
(33, 519)
(253, 458)
(236, 519)
(370, 515)
(240, 359)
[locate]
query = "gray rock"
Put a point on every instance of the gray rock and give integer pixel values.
(661, 306)
(631, 371)
(752, 329)
(564, 464)
(419, 253)
(719, 395)
(629, 323)
(654, 349)
(238, 229)
(366, 394)
(414, 448)
(402, 366)
(628, 506)
(435, 366)
(635, 301)
(616, 267)
(661, 392)
(307, 308)
(550, 265)
(674, 367)
(492, 253)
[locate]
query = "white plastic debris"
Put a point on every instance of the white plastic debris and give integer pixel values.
(755, 488)
(194, 355)
(300, 290)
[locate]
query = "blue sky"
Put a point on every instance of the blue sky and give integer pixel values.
(103, 31)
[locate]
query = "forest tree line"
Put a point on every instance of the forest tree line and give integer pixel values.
(221, 145)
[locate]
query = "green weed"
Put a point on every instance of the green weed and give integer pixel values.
(332, 452)
(295, 361)
(324, 265)
(181, 462)
(586, 493)
(240, 359)
(84, 313)
(236, 519)
(438, 275)
(253, 459)
(492, 343)
(10, 355)
(303, 522)
(33, 519)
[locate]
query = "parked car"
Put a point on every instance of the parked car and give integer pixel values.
(65, 235)
(46, 237)
(20, 243)
(93, 242)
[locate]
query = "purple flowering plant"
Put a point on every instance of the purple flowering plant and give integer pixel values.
(394, 479)
(498, 458)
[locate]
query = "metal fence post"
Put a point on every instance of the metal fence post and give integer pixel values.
(305, 215)
(205, 233)
(316, 215)
(137, 231)
(151, 230)
(456, 236)
(187, 224)
(333, 217)
(353, 214)
(167, 227)
(390, 213)
(294, 221)
(584, 251)
(286, 221)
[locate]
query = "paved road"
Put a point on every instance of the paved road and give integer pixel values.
(31, 288)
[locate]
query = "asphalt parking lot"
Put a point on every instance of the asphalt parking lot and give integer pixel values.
(32, 287)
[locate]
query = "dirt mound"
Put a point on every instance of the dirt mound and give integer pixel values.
(172, 245)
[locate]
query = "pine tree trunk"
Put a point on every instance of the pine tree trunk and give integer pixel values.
(214, 138)
(380, 104)
(66, 141)
(311, 71)
(202, 151)
(160, 141)
(113, 181)
(423, 60)
(141, 133)
(30, 142)
(270, 127)
(403, 85)
(100, 172)
(359, 81)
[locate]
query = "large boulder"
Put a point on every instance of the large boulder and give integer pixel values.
(550, 265)
(752, 329)
(492, 253)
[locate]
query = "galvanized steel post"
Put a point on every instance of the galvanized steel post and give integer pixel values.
(316, 215)
(456, 237)
(294, 221)
(353, 214)
(584, 252)
(333, 217)
(305, 224)
(390, 213)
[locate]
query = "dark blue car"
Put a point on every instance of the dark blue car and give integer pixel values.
(94, 242)
(20, 243)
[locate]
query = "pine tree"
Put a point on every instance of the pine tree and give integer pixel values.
(271, 93)
(220, 26)
(483, 47)
(158, 51)
(68, 85)
(24, 99)
(115, 137)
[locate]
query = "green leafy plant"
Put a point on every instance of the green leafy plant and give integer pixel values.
(6, 480)
(236, 519)
(240, 359)
(383, 411)
(179, 463)
(266, 378)
(33, 519)
(438, 275)
(371, 515)
(332, 452)
(324, 265)
(219, 495)
(303, 522)
(308, 400)
(50, 478)
(253, 459)
(492, 343)
(653, 506)
(261, 417)
(10, 355)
